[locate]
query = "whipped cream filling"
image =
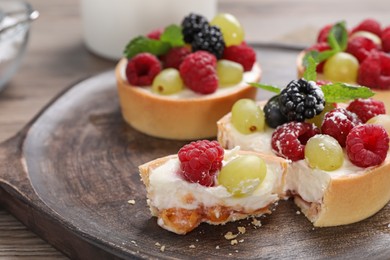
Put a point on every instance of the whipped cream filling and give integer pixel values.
(169, 190)
(186, 93)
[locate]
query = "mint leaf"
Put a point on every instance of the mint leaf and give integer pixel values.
(338, 37)
(173, 35)
(310, 64)
(324, 55)
(341, 92)
(265, 87)
(144, 44)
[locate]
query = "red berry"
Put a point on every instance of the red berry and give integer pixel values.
(360, 47)
(156, 34)
(321, 46)
(366, 108)
(367, 145)
(200, 161)
(338, 122)
(198, 71)
(369, 25)
(175, 57)
(386, 40)
(324, 32)
(374, 71)
(142, 69)
(243, 54)
(289, 140)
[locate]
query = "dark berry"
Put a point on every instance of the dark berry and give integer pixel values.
(200, 161)
(289, 140)
(191, 25)
(338, 122)
(209, 39)
(273, 116)
(301, 100)
(142, 69)
(243, 54)
(365, 109)
(367, 145)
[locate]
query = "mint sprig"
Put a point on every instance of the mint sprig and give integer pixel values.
(265, 87)
(341, 92)
(171, 37)
(310, 72)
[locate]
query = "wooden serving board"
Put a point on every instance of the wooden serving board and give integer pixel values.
(69, 174)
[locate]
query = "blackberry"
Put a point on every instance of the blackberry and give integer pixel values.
(191, 25)
(273, 116)
(209, 39)
(301, 100)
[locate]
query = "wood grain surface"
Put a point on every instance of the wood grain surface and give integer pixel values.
(56, 58)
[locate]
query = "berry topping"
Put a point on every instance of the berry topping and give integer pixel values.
(320, 46)
(273, 116)
(301, 99)
(324, 32)
(360, 47)
(386, 40)
(142, 69)
(198, 71)
(338, 123)
(155, 35)
(209, 39)
(367, 145)
(200, 161)
(365, 109)
(191, 25)
(175, 57)
(289, 140)
(369, 25)
(374, 71)
(243, 54)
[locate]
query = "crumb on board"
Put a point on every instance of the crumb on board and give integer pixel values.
(298, 212)
(234, 242)
(388, 225)
(162, 248)
(255, 222)
(192, 246)
(229, 235)
(132, 202)
(217, 247)
(157, 244)
(241, 240)
(242, 230)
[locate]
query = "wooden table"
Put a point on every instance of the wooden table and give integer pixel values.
(56, 58)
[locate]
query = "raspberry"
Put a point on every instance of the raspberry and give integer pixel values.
(155, 35)
(243, 54)
(175, 57)
(209, 39)
(338, 122)
(360, 47)
(301, 100)
(324, 32)
(374, 71)
(369, 25)
(321, 46)
(386, 40)
(142, 69)
(200, 161)
(289, 140)
(367, 145)
(198, 71)
(191, 25)
(365, 109)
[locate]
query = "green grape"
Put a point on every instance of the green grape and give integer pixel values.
(383, 120)
(232, 31)
(243, 175)
(324, 152)
(167, 82)
(341, 67)
(247, 117)
(317, 120)
(229, 72)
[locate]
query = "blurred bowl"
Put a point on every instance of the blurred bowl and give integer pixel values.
(15, 18)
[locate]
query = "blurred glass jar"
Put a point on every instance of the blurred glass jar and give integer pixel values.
(15, 17)
(109, 25)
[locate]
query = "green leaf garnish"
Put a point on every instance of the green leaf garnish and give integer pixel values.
(266, 87)
(341, 92)
(144, 44)
(310, 64)
(173, 35)
(338, 37)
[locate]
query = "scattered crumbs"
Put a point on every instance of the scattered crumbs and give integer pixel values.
(312, 228)
(217, 247)
(135, 243)
(388, 226)
(242, 230)
(241, 240)
(298, 212)
(234, 242)
(157, 244)
(236, 251)
(229, 235)
(197, 240)
(192, 246)
(230, 253)
(256, 222)
(162, 248)
(132, 202)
